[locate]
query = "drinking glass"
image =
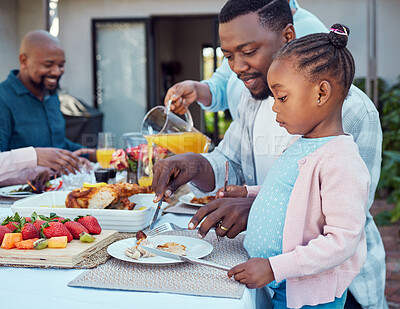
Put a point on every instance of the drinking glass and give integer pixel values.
(145, 164)
(105, 148)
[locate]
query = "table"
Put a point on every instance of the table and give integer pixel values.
(35, 287)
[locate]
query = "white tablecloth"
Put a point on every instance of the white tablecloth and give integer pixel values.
(34, 287)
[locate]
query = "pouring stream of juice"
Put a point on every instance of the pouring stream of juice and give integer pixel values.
(175, 142)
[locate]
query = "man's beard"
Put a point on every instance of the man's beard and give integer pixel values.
(265, 92)
(262, 95)
(40, 86)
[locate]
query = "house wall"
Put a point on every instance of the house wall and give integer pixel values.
(354, 14)
(8, 33)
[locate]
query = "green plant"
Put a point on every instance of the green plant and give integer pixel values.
(390, 172)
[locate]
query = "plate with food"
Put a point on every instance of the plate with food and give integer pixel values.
(190, 199)
(31, 188)
(130, 249)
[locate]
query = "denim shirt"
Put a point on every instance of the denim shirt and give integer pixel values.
(27, 121)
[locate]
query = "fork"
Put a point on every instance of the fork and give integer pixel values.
(165, 227)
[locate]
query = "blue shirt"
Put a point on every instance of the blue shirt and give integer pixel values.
(27, 121)
(268, 212)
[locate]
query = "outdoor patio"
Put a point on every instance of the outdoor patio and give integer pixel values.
(391, 239)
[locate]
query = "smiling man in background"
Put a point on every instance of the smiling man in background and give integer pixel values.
(30, 108)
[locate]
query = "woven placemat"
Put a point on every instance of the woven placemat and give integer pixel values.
(97, 258)
(182, 209)
(182, 278)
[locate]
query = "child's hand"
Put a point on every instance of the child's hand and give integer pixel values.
(255, 273)
(232, 191)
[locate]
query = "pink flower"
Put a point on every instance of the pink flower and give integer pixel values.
(119, 160)
(140, 152)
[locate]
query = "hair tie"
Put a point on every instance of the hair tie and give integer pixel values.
(338, 31)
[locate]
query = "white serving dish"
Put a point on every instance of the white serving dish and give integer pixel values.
(109, 219)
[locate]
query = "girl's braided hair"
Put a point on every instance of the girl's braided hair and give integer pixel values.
(323, 56)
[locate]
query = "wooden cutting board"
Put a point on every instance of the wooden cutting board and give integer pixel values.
(74, 253)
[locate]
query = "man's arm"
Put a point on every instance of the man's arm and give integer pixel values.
(364, 125)
(218, 85)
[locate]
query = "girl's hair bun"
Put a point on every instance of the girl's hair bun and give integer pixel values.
(339, 35)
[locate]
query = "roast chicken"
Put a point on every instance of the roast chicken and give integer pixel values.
(108, 196)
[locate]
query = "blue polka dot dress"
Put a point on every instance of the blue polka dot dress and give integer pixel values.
(267, 215)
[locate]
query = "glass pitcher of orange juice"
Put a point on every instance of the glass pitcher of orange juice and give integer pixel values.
(164, 128)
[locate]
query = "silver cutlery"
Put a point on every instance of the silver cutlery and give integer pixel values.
(185, 258)
(165, 227)
(155, 216)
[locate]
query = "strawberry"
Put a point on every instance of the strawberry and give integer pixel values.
(55, 229)
(90, 223)
(12, 225)
(38, 223)
(75, 228)
(29, 231)
(28, 219)
(3, 230)
(58, 218)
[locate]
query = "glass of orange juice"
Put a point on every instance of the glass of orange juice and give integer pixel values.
(105, 148)
(148, 156)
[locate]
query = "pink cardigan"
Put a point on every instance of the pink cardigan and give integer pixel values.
(324, 244)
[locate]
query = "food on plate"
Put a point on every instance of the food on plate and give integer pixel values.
(85, 237)
(173, 247)
(58, 242)
(40, 184)
(56, 231)
(108, 196)
(137, 251)
(202, 200)
(40, 244)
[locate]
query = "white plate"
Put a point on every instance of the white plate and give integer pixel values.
(6, 191)
(187, 198)
(195, 247)
(109, 219)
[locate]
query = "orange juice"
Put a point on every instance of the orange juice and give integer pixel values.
(181, 142)
(145, 181)
(104, 156)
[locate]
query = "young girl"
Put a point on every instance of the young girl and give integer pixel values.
(305, 232)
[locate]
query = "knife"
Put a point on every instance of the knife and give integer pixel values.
(154, 220)
(184, 258)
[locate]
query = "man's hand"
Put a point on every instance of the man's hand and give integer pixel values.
(227, 215)
(232, 191)
(255, 273)
(185, 93)
(88, 151)
(171, 173)
(57, 159)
